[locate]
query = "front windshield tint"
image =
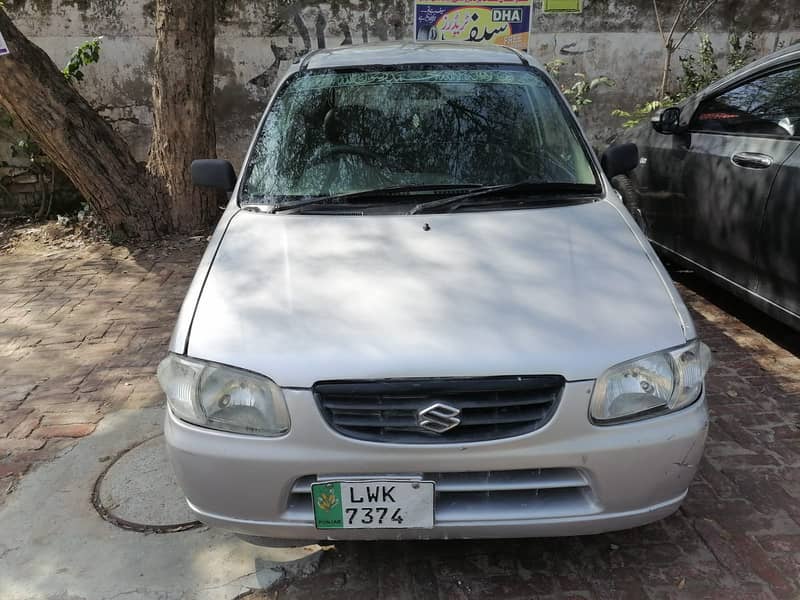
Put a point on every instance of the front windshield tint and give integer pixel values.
(331, 133)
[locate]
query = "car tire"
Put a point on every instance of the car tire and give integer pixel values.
(630, 198)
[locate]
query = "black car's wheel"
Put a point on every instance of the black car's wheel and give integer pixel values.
(630, 198)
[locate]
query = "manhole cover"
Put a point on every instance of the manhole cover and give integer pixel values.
(138, 491)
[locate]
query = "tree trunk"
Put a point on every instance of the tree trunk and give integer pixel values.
(183, 110)
(667, 69)
(84, 146)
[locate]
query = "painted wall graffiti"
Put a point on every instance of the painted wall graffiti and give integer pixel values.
(258, 39)
(310, 27)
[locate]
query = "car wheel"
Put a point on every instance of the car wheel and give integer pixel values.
(630, 198)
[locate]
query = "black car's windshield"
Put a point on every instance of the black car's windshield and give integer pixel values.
(334, 133)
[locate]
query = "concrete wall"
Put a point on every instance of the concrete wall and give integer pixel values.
(258, 38)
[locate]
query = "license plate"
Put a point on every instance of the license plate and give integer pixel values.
(380, 504)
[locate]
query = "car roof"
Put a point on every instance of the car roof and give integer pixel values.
(414, 53)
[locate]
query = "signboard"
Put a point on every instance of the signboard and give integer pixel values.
(502, 22)
(3, 47)
(562, 6)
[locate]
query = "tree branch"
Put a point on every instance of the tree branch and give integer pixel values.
(695, 22)
(658, 22)
(678, 16)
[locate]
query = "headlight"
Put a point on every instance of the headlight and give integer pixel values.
(223, 398)
(654, 384)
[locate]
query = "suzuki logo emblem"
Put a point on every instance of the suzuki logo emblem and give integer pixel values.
(439, 417)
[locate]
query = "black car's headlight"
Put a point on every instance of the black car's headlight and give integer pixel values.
(651, 385)
(223, 398)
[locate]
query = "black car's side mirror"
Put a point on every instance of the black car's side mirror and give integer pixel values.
(667, 121)
(214, 173)
(619, 160)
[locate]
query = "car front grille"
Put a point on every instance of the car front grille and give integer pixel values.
(416, 411)
(478, 496)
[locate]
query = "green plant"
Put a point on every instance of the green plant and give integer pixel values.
(687, 10)
(35, 162)
(579, 91)
(554, 67)
(6, 121)
(88, 53)
(742, 50)
(699, 71)
(641, 111)
(669, 35)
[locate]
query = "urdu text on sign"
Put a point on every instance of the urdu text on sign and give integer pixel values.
(502, 22)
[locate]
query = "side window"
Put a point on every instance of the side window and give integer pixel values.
(769, 105)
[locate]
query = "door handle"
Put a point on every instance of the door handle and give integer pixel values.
(752, 160)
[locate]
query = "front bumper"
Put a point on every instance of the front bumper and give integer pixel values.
(632, 474)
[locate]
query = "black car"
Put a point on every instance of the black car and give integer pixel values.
(718, 184)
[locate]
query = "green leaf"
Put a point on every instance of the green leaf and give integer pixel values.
(88, 53)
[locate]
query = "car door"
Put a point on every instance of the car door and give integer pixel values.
(659, 184)
(780, 240)
(737, 142)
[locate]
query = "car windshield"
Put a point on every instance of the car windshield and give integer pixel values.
(423, 128)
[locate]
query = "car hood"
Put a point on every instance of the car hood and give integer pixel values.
(301, 298)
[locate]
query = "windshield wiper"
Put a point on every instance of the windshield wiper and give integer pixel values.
(535, 188)
(346, 198)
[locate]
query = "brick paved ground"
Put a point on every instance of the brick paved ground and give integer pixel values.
(81, 333)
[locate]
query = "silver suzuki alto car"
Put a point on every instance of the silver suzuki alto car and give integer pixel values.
(426, 314)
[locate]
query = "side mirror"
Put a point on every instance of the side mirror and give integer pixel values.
(619, 160)
(667, 121)
(214, 173)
